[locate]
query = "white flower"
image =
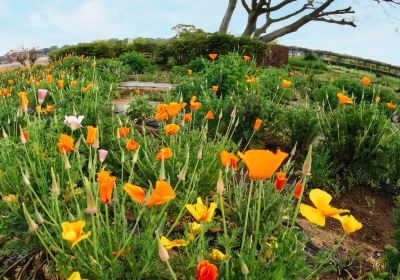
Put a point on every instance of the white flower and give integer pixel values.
(73, 122)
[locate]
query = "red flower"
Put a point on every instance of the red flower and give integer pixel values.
(206, 271)
(280, 181)
(298, 189)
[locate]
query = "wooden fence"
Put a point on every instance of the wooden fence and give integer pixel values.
(349, 61)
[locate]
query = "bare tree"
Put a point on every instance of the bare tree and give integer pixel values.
(297, 12)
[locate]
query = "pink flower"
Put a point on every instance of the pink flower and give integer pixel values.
(73, 122)
(102, 155)
(42, 95)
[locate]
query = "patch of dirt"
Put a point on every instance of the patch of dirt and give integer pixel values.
(363, 249)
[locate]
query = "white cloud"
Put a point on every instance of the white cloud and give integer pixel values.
(35, 20)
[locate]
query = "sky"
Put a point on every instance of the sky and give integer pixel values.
(45, 23)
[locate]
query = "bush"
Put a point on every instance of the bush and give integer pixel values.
(140, 108)
(188, 46)
(360, 139)
(136, 61)
(308, 64)
(114, 68)
(302, 124)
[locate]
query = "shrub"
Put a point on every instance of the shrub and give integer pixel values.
(140, 108)
(308, 64)
(136, 61)
(359, 138)
(302, 125)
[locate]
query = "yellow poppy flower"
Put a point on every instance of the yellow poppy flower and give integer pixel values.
(349, 223)
(217, 255)
(321, 200)
(200, 212)
(194, 230)
(73, 232)
(75, 276)
(169, 244)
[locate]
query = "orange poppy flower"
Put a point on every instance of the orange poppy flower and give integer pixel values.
(286, 84)
(246, 57)
(60, 84)
(343, 99)
(131, 145)
(163, 116)
(24, 100)
(280, 181)
(209, 115)
(213, 56)
(65, 144)
(257, 125)
(162, 107)
(215, 88)
(365, 81)
(173, 109)
(190, 71)
(171, 128)
(228, 159)
(85, 89)
(193, 104)
(262, 163)
(49, 79)
(74, 83)
(162, 193)
(106, 186)
(206, 271)
(10, 82)
(188, 117)
(50, 108)
(91, 135)
(165, 153)
(37, 84)
(123, 131)
(390, 105)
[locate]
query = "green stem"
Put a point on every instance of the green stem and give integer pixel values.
(333, 251)
(171, 271)
(247, 216)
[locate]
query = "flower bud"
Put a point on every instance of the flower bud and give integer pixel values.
(135, 156)
(66, 162)
(244, 268)
(25, 178)
(54, 185)
(5, 136)
(220, 184)
(22, 136)
(182, 174)
(32, 225)
(307, 163)
(162, 252)
(91, 204)
(39, 217)
(200, 153)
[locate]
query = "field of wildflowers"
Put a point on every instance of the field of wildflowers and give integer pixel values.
(199, 198)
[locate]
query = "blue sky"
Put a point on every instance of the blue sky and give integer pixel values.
(58, 22)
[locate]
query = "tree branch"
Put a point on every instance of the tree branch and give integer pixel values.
(246, 7)
(341, 22)
(280, 5)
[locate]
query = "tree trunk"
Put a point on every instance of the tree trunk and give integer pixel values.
(228, 15)
(251, 24)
